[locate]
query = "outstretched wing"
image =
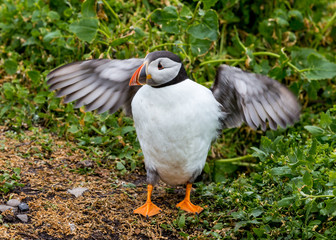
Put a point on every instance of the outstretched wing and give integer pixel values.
(100, 84)
(253, 99)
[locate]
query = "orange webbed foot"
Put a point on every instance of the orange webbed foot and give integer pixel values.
(186, 205)
(148, 209)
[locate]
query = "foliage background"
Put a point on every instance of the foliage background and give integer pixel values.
(286, 191)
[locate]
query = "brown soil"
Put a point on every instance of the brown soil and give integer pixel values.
(103, 212)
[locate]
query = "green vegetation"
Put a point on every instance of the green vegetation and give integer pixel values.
(285, 190)
(9, 180)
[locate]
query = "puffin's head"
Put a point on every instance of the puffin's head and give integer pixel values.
(159, 69)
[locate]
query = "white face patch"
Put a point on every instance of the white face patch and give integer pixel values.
(162, 70)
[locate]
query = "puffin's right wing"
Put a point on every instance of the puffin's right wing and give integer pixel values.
(101, 84)
(253, 99)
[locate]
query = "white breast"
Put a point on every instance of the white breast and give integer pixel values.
(175, 126)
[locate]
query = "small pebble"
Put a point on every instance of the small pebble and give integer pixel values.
(13, 202)
(85, 164)
(78, 191)
(72, 227)
(22, 217)
(5, 208)
(23, 207)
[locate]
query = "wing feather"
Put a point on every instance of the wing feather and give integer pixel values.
(90, 97)
(253, 99)
(67, 82)
(101, 84)
(248, 118)
(110, 103)
(100, 101)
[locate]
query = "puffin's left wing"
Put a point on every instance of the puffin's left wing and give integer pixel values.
(101, 84)
(253, 99)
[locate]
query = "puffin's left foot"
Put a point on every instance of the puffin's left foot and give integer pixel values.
(186, 205)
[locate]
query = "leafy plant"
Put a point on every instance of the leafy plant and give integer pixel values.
(9, 180)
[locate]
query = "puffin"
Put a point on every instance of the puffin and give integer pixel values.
(176, 119)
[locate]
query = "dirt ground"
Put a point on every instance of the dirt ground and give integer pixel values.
(103, 212)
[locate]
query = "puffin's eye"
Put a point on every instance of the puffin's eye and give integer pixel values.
(160, 67)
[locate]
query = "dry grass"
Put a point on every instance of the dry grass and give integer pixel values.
(103, 212)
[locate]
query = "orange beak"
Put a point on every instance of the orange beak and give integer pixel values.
(139, 73)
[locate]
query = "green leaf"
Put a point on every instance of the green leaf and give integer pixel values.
(41, 97)
(256, 212)
(330, 208)
(9, 90)
(313, 87)
(73, 129)
(239, 215)
(170, 27)
(10, 66)
(168, 18)
(68, 12)
(308, 179)
(314, 223)
(54, 16)
(218, 226)
(240, 224)
(129, 185)
(120, 166)
(97, 140)
(17, 171)
(320, 68)
(181, 221)
(209, 3)
(325, 119)
(281, 18)
(199, 46)
(285, 202)
(207, 28)
(52, 35)
(259, 231)
(167, 14)
(34, 76)
(315, 66)
(139, 33)
(266, 28)
(127, 129)
(85, 29)
(295, 20)
(259, 153)
(332, 177)
(120, 41)
(280, 171)
(186, 12)
(314, 130)
(312, 150)
(103, 129)
(88, 9)
(221, 170)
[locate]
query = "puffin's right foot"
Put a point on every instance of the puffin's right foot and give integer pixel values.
(148, 209)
